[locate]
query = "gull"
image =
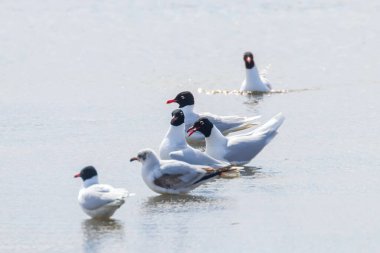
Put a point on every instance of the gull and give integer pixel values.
(171, 176)
(225, 124)
(99, 201)
(253, 80)
(174, 145)
(238, 149)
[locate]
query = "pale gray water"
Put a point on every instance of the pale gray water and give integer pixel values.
(82, 81)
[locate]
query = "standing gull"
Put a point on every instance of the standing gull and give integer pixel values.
(99, 201)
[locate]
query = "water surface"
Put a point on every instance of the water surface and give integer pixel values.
(86, 83)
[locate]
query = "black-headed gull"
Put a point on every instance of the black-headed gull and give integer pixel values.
(226, 124)
(238, 149)
(174, 145)
(99, 201)
(172, 176)
(253, 80)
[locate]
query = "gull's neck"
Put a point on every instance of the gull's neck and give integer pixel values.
(190, 115)
(90, 181)
(176, 135)
(187, 109)
(252, 76)
(254, 82)
(150, 167)
(215, 139)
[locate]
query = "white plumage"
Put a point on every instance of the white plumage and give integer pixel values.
(172, 176)
(238, 149)
(99, 201)
(226, 124)
(253, 80)
(174, 145)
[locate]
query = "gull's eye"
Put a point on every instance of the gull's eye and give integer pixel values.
(182, 97)
(202, 123)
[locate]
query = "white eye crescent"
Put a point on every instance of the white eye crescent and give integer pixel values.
(182, 97)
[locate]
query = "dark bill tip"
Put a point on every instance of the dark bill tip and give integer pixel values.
(133, 159)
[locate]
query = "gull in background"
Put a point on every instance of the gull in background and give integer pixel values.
(253, 80)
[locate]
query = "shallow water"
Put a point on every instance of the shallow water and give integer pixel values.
(82, 81)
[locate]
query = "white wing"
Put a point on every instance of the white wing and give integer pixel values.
(195, 156)
(247, 146)
(243, 149)
(231, 123)
(99, 195)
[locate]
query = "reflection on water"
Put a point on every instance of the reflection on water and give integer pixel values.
(183, 203)
(253, 100)
(206, 197)
(249, 171)
(167, 199)
(241, 171)
(97, 233)
(255, 94)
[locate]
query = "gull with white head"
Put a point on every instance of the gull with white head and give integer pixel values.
(172, 176)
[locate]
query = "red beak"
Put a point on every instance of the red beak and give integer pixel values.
(171, 101)
(191, 130)
(249, 59)
(77, 175)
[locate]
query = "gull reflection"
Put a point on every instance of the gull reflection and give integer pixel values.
(99, 233)
(249, 171)
(177, 204)
(173, 199)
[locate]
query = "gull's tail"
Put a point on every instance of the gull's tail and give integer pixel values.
(272, 125)
(248, 122)
(215, 173)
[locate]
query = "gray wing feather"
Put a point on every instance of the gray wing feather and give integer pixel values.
(246, 148)
(225, 123)
(180, 174)
(99, 195)
(194, 156)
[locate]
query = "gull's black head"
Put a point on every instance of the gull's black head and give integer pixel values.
(178, 118)
(248, 59)
(202, 125)
(183, 98)
(87, 173)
